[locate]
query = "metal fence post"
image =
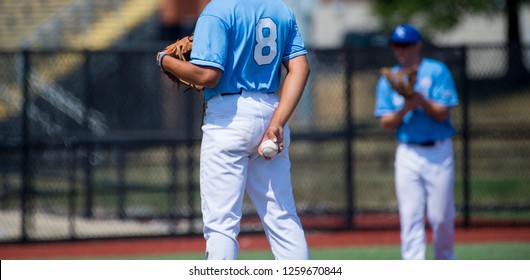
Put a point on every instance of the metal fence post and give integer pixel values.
(350, 176)
(190, 163)
(122, 185)
(465, 138)
(89, 188)
(173, 187)
(26, 194)
(72, 193)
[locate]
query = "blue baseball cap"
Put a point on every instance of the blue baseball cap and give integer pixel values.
(405, 33)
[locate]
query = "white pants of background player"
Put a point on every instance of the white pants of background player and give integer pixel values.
(424, 178)
(230, 164)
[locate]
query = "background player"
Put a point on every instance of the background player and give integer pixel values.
(424, 165)
(238, 51)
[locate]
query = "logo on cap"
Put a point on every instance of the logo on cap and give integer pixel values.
(400, 32)
(405, 33)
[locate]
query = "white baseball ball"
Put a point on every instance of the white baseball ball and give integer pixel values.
(269, 148)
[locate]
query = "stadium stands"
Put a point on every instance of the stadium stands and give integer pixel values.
(92, 24)
(60, 24)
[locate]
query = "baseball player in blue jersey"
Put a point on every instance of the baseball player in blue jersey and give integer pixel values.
(424, 165)
(238, 50)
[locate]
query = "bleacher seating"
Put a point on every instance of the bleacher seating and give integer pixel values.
(20, 18)
(63, 24)
(69, 23)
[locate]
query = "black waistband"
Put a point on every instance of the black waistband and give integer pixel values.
(239, 92)
(230, 93)
(426, 144)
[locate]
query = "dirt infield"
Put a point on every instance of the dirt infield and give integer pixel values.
(131, 247)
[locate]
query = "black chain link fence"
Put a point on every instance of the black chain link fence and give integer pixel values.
(101, 145)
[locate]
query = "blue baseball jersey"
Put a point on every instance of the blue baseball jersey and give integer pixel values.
(248, 40)
(435, 83)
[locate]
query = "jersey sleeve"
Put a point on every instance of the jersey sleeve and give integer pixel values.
(295, 45)
(444, 90)
(210, 44)
(384, 104)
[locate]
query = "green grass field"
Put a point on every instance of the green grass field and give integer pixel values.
(491, 251)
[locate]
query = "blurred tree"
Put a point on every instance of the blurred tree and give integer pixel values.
(445, 14)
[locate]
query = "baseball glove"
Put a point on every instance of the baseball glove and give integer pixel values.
(402, 81)
(180, 50)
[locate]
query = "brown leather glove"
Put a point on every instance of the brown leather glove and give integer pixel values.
(180, 50)
(401, 80)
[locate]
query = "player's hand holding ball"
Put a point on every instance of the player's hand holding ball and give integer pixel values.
(268, 148)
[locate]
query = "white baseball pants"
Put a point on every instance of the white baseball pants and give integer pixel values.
(230, 164)
(424, 178)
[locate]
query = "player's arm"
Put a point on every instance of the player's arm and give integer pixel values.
(433, 109)
(199, 75)
(443, 92)
(292, 89)
(393, 120)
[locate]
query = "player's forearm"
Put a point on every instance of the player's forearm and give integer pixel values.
(392, 121)
(289, 100)
(203, 76)
(292, 89)
(435, 111)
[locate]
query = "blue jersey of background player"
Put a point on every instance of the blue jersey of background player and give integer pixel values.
(435, 83)
(249, 57)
